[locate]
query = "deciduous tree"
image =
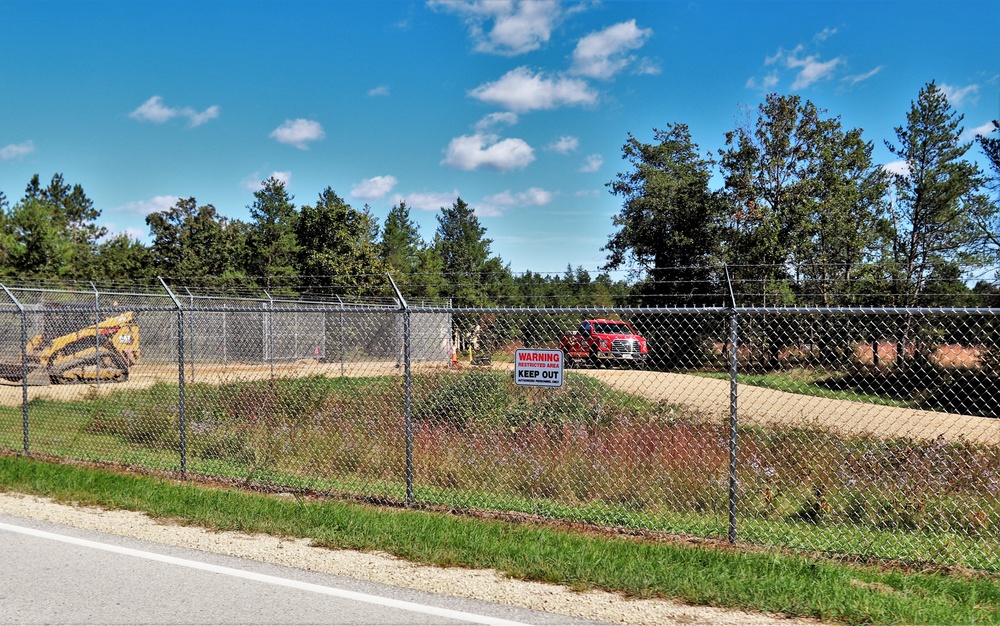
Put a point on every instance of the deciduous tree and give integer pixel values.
(337, 244)
(193, 241)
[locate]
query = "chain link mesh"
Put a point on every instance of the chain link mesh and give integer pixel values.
(867, 431)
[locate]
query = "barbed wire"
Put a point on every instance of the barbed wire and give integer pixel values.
(683, 285)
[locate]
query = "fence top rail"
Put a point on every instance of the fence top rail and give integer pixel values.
(577, 309)
(72, 308)
(872, 310)
(789, 310)
(199, 302)
(89, 293)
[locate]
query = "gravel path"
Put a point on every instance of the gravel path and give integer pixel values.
(710, 397)
(478, 584)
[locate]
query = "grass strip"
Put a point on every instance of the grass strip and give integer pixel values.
(807, 383)
(750, 579)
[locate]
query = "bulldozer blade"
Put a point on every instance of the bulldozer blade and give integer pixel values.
(38, 376)
(14, 373)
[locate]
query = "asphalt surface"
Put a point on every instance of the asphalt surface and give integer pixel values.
(54, 574)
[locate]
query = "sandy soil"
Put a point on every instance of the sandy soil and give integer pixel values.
(711, 397)
(707, 396)
(486, 585)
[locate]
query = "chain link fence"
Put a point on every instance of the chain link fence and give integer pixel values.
(868, 432)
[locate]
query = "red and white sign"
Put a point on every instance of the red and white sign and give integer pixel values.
(538, 368)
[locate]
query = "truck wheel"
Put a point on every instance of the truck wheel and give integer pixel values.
(594, 360)
(568, 361)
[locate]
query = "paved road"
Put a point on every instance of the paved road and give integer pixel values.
(53, 574)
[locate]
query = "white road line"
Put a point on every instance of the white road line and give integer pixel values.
(273, 580)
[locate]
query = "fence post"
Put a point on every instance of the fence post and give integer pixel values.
(180, 376)
(408, 385)
(193, 335)
(24, 367)
(269, 332)
(340, 303)
(97, 330)
(734, 338)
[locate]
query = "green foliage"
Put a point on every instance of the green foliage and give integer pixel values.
(51, 232)
(188, 240)
(802, 192)
(474, 277)
(934, 225)
(575, 288)
(400, 245)
(271, 236)
(336, 240)
(668, 228)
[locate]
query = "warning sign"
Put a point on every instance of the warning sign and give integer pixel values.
(538, 368)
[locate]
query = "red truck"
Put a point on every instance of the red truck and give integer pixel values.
(601, 341)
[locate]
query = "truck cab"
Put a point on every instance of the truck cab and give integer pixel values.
(605, 341)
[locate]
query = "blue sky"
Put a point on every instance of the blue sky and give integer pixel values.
(520, 108)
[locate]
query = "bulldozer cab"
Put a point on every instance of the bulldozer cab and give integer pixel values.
(73, 348)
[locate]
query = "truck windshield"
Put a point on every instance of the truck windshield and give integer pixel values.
(612, 328)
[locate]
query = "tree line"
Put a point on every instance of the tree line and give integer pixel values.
(324, 247)
(804, 216)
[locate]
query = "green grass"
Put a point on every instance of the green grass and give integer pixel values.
(584, 453)
(809, 382)
(750, 579)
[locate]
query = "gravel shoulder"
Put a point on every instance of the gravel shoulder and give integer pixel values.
(485, 585)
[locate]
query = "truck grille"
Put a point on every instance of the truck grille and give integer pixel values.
(625, 345)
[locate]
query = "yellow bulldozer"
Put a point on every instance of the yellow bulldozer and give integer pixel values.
(101, 352)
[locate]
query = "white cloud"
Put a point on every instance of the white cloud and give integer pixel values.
(534, 196)
(298, 133)
(381, 90)
(197, 119)
(494, 206)
(592, 163)
(471, 152)
(153, 110)
(132, 233)
(587, 193)
(604, 53)
(254, 182)
(156, 204)
(521, 90)
(979, 131)
(135, 234)
(373, 188)
(428, 201)
(648, 68)
(957, 96)
(824, 34)
(485, 210)
(284, 177)
(812, 69)
(16, 150)
(564, 145)
(505, 27)
(897, 168)
(854, 79)
(496, 119)
(767, 84)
